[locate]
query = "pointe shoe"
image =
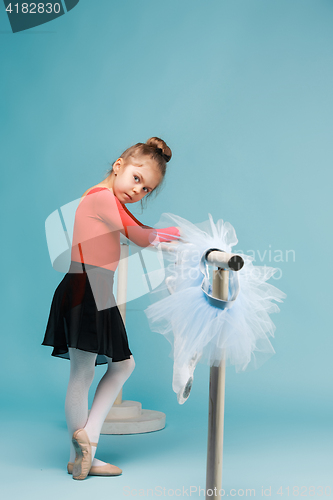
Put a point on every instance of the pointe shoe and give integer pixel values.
(82, 447)
(183, 378)
(101, 470)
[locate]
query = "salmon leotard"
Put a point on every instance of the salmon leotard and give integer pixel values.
(99, 220)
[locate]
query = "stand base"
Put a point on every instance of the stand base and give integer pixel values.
(129, 418)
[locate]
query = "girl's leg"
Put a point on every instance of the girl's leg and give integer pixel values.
(108, 389)
(82, 368)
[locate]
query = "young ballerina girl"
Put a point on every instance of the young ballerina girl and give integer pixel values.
(85, 324)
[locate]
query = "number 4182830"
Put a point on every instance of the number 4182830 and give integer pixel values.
(302, 491)
(34, 8)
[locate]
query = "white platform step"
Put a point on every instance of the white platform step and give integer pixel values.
(129, 418)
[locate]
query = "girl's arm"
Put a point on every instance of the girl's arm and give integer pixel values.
(118, 217)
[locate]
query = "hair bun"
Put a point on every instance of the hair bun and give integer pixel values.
(160, 147)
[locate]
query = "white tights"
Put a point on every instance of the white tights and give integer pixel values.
(82, 369)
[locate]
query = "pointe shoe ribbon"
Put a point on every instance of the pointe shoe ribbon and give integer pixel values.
(82, 445)
(101, 470)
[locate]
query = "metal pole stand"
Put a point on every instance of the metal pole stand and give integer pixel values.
(216, 404)
(224, 261)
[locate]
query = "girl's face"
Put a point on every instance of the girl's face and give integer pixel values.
(134, 180)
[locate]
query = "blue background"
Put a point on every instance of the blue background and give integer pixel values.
(241, 91)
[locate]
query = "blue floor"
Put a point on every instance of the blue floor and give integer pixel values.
(272, 455)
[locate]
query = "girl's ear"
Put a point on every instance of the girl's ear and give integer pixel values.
(117, 164)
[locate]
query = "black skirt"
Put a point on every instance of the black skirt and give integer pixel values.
(84, 315)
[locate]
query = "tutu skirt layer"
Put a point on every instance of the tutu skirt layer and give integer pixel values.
(84, 315)
(197, 331)
(239, 335)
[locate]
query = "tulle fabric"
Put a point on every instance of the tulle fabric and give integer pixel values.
(196, 330)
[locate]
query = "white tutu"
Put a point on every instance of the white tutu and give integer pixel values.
(196, 329)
